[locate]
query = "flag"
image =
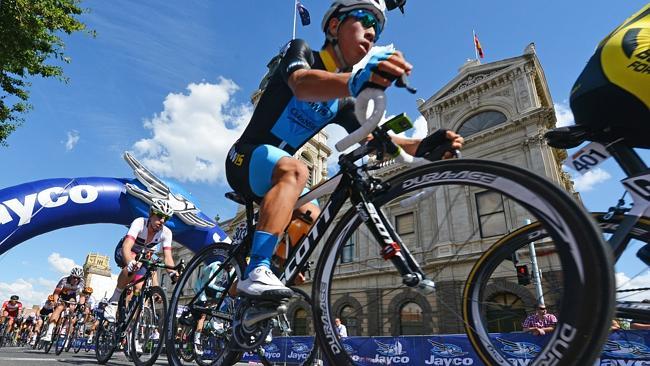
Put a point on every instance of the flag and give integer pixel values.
(304, 14)
(477, 44)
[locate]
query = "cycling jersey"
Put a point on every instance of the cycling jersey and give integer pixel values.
(138, 232)
(12, 309)
(217, 284)
(281, 123)
(68, 290)
(612, 94)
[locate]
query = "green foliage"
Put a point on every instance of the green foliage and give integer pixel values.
(30, 33)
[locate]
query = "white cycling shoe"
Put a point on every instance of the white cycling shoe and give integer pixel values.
(109, 312)
(263, 284)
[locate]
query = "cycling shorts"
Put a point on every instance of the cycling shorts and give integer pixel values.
(45, 312)
(119, 260)
(249, 169)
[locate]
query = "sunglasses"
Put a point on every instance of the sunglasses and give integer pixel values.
(366, 18)
(541, 308)
(160, 214)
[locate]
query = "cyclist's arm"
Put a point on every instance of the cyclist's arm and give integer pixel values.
(318, 85)
(127, 245)
(167, 251)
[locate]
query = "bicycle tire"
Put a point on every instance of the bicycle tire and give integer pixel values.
(142, 313)
(47, 346)
(185, 347)
(78, 331)
(105, 341)
(584, 253)
(223, 356)
(59, 339)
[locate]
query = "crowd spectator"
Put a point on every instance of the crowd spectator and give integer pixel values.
(638, 324)
(539, 323)
(340, 328)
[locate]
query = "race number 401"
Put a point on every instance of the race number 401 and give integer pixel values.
(588, 157)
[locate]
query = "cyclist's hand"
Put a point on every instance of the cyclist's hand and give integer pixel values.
(133, 266)
(380, 71)
(439, 145)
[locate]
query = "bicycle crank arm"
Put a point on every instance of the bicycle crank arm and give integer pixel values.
(252, 317)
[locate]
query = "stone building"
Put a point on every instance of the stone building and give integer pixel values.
(502, 109)
(97, 274)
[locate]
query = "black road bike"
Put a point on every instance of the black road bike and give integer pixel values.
(137, 319)
(626, 227)
(404, 284)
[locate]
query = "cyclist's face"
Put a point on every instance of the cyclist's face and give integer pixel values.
(157, 221)
(355, 40)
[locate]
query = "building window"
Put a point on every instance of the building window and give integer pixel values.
(405, 223)
(347, 254)
(410, 319)
(348, 318)
(306, 158)
(491, 214)
(505, 312)
(480, 122)
(300, 323)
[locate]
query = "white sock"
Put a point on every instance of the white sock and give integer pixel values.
(116, 295)
(50, 328)
(197, 337)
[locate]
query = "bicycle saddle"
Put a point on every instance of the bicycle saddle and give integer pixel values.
(567, 137)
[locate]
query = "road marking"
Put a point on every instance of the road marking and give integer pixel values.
(45, 359)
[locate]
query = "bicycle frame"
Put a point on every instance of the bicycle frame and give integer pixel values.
(638, 184)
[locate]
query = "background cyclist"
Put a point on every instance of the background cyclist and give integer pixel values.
(12, 309)
(66, 290)
(144, 233)
(309, 90)
(47, 307)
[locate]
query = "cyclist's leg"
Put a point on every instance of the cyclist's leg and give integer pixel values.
(268, 172)
(52, 323)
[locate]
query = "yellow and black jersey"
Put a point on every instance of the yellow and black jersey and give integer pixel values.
(612, 94)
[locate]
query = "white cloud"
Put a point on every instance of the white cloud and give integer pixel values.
(25, 289)
(194, 132)
(563, 114)
(587, 181)
(420, 129)
(623, 282)
(59, 263)
(73, 138)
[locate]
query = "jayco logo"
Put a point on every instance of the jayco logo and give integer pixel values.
(271, 351)
(626, 349)
(47, 198)
(447, 354)
(390, 354)
(299, 351)
(519, 349)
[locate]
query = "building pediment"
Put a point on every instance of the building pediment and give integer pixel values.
(472, 74)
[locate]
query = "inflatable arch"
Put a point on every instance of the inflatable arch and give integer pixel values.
(34, 208)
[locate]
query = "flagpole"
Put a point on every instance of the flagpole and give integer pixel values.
(295, 10)
(474, 43)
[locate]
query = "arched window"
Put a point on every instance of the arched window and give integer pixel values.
(505, 312)
(480, 122)
(300, 322)
(306, 158)
(410, 319)
(349, 319)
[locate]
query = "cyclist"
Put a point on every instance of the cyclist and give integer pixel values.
(212, 291)
(309, 90)
(29, 323)
(12, 309)
(47, 307)
(66, 290)
(144, 234)
(89, 303)
(617, 78)
(98, 314)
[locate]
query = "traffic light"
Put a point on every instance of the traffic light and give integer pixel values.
(523, 277)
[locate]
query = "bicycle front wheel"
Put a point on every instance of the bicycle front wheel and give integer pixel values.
(447, 215)
(105, 341)
(146, 333)
(60, 336)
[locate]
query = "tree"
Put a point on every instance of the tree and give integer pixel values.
(29, 37)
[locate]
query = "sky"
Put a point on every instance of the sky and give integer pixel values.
(171, 82)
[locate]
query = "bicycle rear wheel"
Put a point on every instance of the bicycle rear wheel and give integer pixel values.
(184, 312)
(149, 327)
(462, 207)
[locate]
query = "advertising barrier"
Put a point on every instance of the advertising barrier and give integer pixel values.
(623, 348)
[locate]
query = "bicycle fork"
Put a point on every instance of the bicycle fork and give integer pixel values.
(392, 247)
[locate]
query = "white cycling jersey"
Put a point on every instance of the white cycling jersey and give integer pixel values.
(69, 290)
(138, 231)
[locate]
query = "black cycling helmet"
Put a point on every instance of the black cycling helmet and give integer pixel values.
(14, 297)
